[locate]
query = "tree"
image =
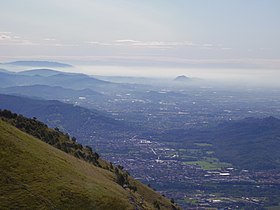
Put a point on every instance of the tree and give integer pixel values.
(133, 188)
(120, 179)
(111, 165)
(89, 148)
(156, 205)
(7, 114)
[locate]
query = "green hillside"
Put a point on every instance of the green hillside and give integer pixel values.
(35, 175)
(250, 143)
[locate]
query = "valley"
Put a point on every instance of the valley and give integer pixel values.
(140, 105)
(203, 146)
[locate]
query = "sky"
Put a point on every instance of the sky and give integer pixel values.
(184, 34)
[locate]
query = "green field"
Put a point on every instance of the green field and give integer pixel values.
(209, 164)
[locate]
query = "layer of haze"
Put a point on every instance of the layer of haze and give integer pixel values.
(202, 38)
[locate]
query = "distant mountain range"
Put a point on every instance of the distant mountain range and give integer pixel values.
(4, 71)
(75, 120)
(39, 64)
(51, 78)
(251, 143)
(40, 72)
(52, 92)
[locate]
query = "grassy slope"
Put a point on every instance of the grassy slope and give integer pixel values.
(35, 175)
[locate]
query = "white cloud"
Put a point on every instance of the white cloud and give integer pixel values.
(101, 43)
(4, 37)
(207, 45)
(127, 41)
(66, 45)
(26, 43)
(7, 38)
(145, 44)
(226, 48)
(49, 39)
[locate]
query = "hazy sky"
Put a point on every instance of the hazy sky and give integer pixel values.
(169, 33)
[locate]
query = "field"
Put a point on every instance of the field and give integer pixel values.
(209, 164)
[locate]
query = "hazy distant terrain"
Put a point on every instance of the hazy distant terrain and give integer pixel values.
(38, 64)
(76, 120)
(205, 136)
